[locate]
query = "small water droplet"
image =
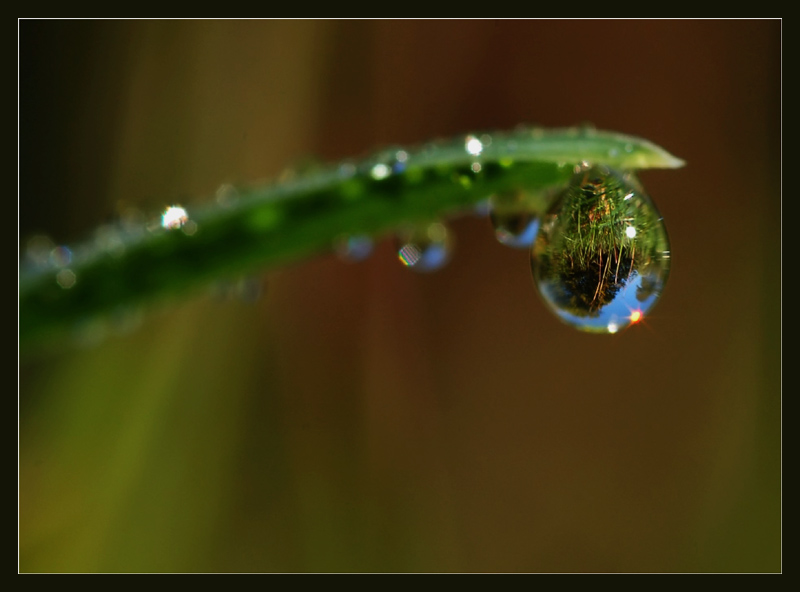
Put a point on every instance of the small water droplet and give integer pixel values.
(174, 217)
(483, 208)
(37, 250)
(108, 239)
(473, 145)
(189, 228)
(90, 332)
(400, 161)
(132, 221)
(226, 195)
(66, 278)
(347, 170)
(380, 171)
(126, 320)
(601, 257)
(60, 256)
(515, 225)
(424, 248)
(244, 289)
(353, 248)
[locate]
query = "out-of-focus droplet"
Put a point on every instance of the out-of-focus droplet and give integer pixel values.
(473, 145)
(189, 228)
(226, 195)
(60, 256)
(347, 170)
(483, 208)
(515, 225)
(353, 248)
(37, 250)
(399, 161)
(131, 219)
(126, 320)
(424, 248)
(380, 171)
(601, 257)
(108, 239)
(66, 278)
(90, 332)
(244, 289)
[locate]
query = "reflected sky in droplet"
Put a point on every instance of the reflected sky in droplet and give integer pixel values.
(520, 234)
(627, 308)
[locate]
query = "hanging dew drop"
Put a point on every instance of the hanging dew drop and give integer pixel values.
(424, 248)
(353, 248)
(601, 257)
(515, 223)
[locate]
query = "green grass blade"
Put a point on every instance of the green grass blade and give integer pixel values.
(277, 224)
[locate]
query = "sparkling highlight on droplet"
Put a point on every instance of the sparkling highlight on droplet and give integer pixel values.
(380, 171)
(174, 217)
(473, 145)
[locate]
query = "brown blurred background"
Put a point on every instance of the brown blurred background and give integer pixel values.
(365, 418)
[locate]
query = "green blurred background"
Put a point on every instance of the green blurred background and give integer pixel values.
(360, 417)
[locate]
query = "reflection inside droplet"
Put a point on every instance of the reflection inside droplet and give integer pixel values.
(424, 248)
(601, 257)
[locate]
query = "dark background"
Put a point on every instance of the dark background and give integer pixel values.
(363, 417)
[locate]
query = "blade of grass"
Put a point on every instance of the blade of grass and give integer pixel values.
(277, 224)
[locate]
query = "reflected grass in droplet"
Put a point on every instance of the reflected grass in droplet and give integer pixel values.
(601, 257)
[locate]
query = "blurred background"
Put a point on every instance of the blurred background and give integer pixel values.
(361, 417)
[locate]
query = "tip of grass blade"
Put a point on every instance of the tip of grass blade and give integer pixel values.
(656, 157)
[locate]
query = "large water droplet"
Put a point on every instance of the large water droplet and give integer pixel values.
(601, 257)
(424, 248)
(514, 222)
